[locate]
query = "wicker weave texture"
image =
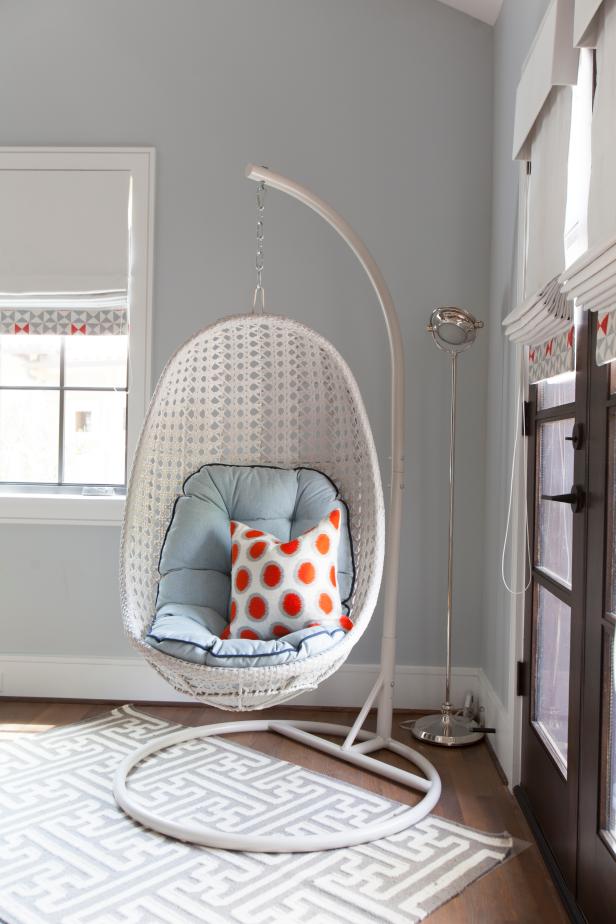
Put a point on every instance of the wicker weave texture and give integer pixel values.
(251, 390)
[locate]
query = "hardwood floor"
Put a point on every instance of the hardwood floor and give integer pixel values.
(473, 794)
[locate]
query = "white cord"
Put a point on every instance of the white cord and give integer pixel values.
(517, 593)
(525, 189)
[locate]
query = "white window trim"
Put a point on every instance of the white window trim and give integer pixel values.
(61, 509)
(518, 560)
(67, 509)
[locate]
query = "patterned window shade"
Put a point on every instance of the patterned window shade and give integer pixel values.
(92, 315)
(606, 337)
(553, 357)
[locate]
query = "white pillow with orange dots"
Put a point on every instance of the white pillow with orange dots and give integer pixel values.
(280, 587)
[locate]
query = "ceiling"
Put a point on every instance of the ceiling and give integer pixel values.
(486, 10)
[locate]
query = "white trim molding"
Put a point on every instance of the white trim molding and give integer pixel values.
(497, 716)
(416, 687)
(139, 164)
(61, 510)
(88, 677)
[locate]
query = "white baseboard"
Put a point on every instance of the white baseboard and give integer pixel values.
(133, 679)
(417, 687)
(500, 718)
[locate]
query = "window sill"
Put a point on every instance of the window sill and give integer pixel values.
(61, 509)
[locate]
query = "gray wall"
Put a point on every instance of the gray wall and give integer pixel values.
(513, 34)
(384, 108)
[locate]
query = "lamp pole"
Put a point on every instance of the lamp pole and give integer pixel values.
(453, 330)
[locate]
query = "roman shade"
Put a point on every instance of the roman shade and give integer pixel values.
(544, 105)
(64, 251)
(591, 280)
(545, 311)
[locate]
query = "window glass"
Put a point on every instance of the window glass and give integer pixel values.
(96, 362)
(608, 740)
(29, 435)
(29, 360)
(556, 391)
(94, 437)
(613, 377)
(578, 168)
(554, 519)
(552, 634)
(63, 406)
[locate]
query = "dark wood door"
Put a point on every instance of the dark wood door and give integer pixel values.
(569, 736)
(596, 894)
(554, 620)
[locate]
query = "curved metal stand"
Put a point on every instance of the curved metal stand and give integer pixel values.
(382, 691)
(396, 351)
(305, 733)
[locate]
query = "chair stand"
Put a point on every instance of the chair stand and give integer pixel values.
(357, 753)
(357, 745)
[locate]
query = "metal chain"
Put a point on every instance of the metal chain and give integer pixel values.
(258, 299)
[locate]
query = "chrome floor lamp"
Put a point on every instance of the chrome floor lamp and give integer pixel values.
(453, 330)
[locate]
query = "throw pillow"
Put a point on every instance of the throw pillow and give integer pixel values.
(280, 587)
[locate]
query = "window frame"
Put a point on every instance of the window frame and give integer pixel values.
(63, 390)
(24, 506)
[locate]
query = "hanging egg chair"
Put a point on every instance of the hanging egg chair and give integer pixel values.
(261, 391)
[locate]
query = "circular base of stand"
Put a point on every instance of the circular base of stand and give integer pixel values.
(306, 733)
(451, 733)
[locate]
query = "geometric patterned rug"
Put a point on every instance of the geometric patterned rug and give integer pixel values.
(68, 855)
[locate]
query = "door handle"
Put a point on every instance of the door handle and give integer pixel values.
(577, 436)
(576, 498)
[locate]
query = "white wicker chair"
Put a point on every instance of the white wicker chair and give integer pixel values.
(251, 390)
(263, 389)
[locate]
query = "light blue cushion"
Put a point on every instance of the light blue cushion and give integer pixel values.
(195, 562)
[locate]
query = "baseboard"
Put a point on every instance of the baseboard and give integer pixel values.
(417, 687)
(498, 717)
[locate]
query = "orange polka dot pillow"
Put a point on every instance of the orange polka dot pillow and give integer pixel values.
(280, 587)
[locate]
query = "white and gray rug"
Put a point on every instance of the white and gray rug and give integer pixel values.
(68, 855)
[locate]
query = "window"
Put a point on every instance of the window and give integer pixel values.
(76, 234)
(578, 168)
(63, 403)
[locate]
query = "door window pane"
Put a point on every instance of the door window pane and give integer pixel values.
(94, 437)
(608, 740)
(29, 360)
(556, 391)
(96, 362)
(608, 682)
(29, 435)
(554, 520)
(610, 564)
(552, 636)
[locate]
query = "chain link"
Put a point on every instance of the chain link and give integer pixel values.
(258, 300)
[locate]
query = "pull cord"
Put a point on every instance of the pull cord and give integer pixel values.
(517, 593)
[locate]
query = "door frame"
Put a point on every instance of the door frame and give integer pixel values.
(513, 713)
(559, 822)
(594, 855)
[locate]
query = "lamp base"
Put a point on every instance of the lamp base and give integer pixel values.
(447, 730)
